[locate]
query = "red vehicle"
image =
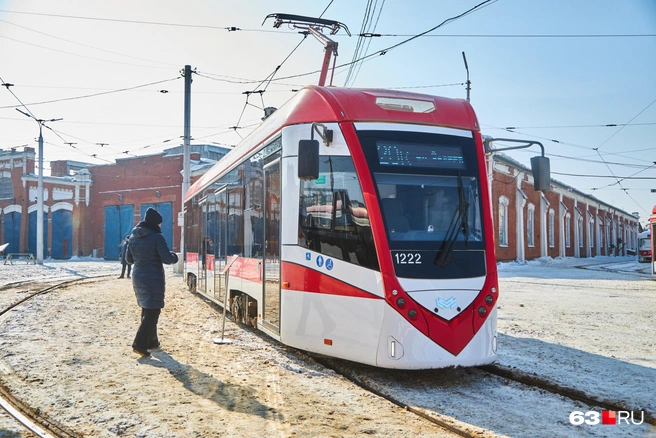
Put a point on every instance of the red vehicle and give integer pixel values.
(644, 246)
(374, 245)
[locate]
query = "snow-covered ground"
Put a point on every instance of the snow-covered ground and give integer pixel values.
(21, 270)
(587, 324)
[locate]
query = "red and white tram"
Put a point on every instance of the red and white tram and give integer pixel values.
(374, 245)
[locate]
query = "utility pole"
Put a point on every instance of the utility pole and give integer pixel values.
(185, 148)
(39, 201)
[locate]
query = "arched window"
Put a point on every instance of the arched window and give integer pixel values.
(552, 225)
(598, 232)
(568, 231)
(591, 232)
(530, 225)
(503, 221)
(580, 226)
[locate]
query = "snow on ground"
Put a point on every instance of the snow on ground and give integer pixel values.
(590, 329)
(587, 324)
(21, 270)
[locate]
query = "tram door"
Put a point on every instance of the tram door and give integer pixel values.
(202, 274)
(271, 262)
(220, 242)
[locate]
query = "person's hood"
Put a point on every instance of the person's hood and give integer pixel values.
(141, 231)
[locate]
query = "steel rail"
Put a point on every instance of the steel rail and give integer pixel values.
(33, 419)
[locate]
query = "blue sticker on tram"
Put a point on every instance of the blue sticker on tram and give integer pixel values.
(319, 261)
(308, 256)
(329, 264)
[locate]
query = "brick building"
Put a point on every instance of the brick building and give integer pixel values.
(89, 209)
(65, 202)
(562, 222)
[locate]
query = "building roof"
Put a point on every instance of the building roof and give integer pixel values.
(516, 164)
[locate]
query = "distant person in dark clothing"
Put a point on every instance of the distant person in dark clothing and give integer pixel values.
(122, 257)
(147, 251)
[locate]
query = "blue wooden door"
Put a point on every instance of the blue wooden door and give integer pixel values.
(12, 231)
(62, 234)
(31, 237)
(119, 222)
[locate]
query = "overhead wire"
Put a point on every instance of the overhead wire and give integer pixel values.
(358, 43)
(103, 93)
(324, 11)
(647, 35)
(619, 182)
(629, 122)
(370, 29)
(607, 125)
(78, 55)
(85, 45)
(387, 49)
(153, 23)
(43, 124)
(269, 79)
(234, 28)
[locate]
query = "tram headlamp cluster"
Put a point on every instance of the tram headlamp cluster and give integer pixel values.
(489, 299)
(482, 310)
(400, 302)
(412, 313)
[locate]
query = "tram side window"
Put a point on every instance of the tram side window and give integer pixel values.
(235, 217)
(253, 217)
(334, 220)
(192, 232)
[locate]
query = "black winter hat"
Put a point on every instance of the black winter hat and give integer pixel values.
(153, 216)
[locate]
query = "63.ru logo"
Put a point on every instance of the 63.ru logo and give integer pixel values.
(604, 417)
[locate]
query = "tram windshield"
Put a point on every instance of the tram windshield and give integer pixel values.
(428, 207)
(428, 187)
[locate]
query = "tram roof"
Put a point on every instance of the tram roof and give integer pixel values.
(333, 104)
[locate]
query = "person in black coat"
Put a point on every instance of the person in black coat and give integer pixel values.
(148, 251)
(122, 257)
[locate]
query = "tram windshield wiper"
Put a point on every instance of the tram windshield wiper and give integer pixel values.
(459, 221)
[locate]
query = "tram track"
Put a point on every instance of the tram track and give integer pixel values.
(368, 378)
(440, 420)
(340, 367)
(564, 391)
(642, 272)
(32, 419)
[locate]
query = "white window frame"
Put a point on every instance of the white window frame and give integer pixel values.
(599, 231)
(591, 233)
(530, 226)
(552, 228)
(503, 221)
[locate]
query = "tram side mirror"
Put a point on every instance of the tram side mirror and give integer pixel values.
(308, 159)
(541, 173)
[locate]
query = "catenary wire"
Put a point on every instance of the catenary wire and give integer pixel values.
(91, 95)
(86, 45)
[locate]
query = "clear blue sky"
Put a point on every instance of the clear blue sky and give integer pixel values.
(553, 69)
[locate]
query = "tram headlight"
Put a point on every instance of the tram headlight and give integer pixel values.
(493, 290)
(412, 313)
(482, 310)
(489, 299)
(400, 302)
